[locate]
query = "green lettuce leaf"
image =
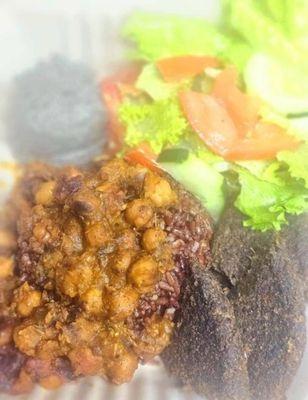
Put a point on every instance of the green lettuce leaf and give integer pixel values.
(297, 163)
(159, 123)
(259, 29)
(296, 12)
(157, 36)
(215, 161)
(266, 204)
(151, 82)
(276, 9)
(282, 85)
(300, 127)
(238, 52)
(202, 180)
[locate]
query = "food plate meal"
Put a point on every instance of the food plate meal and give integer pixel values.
(162, 211)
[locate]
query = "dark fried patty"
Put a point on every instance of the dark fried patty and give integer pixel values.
(93, 265)
(241, 325)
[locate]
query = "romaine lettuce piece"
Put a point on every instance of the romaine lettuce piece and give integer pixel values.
(157, 36)
(151, 82)
(259, 29)
(300, 127)
(284, 87)
(202, 180)
(296, 12)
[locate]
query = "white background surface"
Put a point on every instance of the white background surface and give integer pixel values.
(88, 30)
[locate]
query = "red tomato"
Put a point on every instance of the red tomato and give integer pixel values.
(143, 155)
(112, 99)
(210, 120)
(183, 67)
(242, 108)
(264, 143)
(113, 89)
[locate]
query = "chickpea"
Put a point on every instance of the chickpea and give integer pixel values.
(127, 239)
(27, 338)
(6, 267)
(121, 262)
(122, 369)
(27, 300)
(84, 331)
(51, 382)
(122, 303)
(98, 234)
(139, 212)
(84, 362)
(93, 301)
(155, 339)
(158, 190)
(143, 273)
(153, 238)
(41, 232)
(48, 350)
(85, 202)
(77, 279)
(44, 195)
(72, 240)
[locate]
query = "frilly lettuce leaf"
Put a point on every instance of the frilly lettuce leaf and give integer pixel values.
(265, 204)
(297, 163)
(159, 123)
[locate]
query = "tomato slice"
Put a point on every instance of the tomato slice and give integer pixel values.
(112, 98)
(113, 90)
(210, 120)
(243, 109)
(143, 155)
(183, 67)
(264, 143)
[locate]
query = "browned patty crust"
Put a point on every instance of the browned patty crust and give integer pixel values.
(241, 330)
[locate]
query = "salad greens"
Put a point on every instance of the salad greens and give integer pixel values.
(151, 82)
(266, 202)
(297, 163)
(267, 40)
(201, 179)
(160, 123)
(158, 36)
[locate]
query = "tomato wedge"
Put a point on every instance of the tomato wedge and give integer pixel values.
(209, 117)
(210, 120)
(143, 155)
(243, 109)
(183, 67)
(263, 144)
(112, 98)
(113, 89)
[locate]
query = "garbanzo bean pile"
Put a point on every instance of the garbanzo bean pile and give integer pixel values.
(91, 271)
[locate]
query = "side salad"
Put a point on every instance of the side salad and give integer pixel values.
(208, 102)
